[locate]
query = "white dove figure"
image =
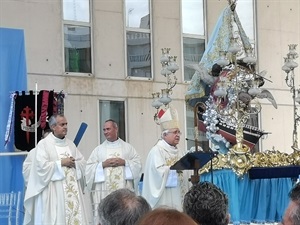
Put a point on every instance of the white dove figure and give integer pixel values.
(266, 94)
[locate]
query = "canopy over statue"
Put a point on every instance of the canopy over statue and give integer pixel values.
(226, 82)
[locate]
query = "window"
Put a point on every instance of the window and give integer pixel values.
(138, 38)
(245, 11)
(77, 36)
(112, 110)
(193, 42)
(203, 142)
(193, 34)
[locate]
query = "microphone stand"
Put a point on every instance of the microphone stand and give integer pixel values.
(195, 178)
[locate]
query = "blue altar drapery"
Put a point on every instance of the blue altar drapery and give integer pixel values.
(256, 201)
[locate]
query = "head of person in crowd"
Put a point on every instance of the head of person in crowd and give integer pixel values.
(59, 125)
(207, 204)
(122, 207)
(166, 216)
(292, 212)
(169, 125)
(110, 130)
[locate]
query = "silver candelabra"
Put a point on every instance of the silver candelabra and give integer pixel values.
(169, 68)
(288, 67)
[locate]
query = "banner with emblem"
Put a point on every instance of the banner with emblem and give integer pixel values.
(24, 126)
(48, 103)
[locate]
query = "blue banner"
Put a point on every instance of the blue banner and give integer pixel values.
(13, 75)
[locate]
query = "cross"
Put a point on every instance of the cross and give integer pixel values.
(28, 114)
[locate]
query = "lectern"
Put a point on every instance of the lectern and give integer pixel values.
(193, 161)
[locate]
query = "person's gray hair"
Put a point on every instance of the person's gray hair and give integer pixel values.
(164, 133)
(52, 120)
(113, 122)
(294, 214)
(122, 207)
(294, 196)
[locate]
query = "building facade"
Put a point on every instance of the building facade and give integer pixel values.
(120, 68)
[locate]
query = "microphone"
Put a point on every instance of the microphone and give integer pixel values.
(189, 139)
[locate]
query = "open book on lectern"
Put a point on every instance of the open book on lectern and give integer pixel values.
(193, 160)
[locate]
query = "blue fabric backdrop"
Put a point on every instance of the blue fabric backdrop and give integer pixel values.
(13, 75)
(258, 201)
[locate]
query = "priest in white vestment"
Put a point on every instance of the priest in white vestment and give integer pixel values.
(54, 193)
(28, 161)
(162, 186)
(113, 165)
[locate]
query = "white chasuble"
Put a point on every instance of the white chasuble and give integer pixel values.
(54, 194)
(102, 181)
(162, 186)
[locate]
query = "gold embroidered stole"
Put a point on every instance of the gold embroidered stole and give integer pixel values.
(114, 175)
(72, 203)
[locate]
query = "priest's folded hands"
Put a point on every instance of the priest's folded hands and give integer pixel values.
(68, 162)
(113, 162)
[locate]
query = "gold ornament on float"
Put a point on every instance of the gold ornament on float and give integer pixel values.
(241, 162)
